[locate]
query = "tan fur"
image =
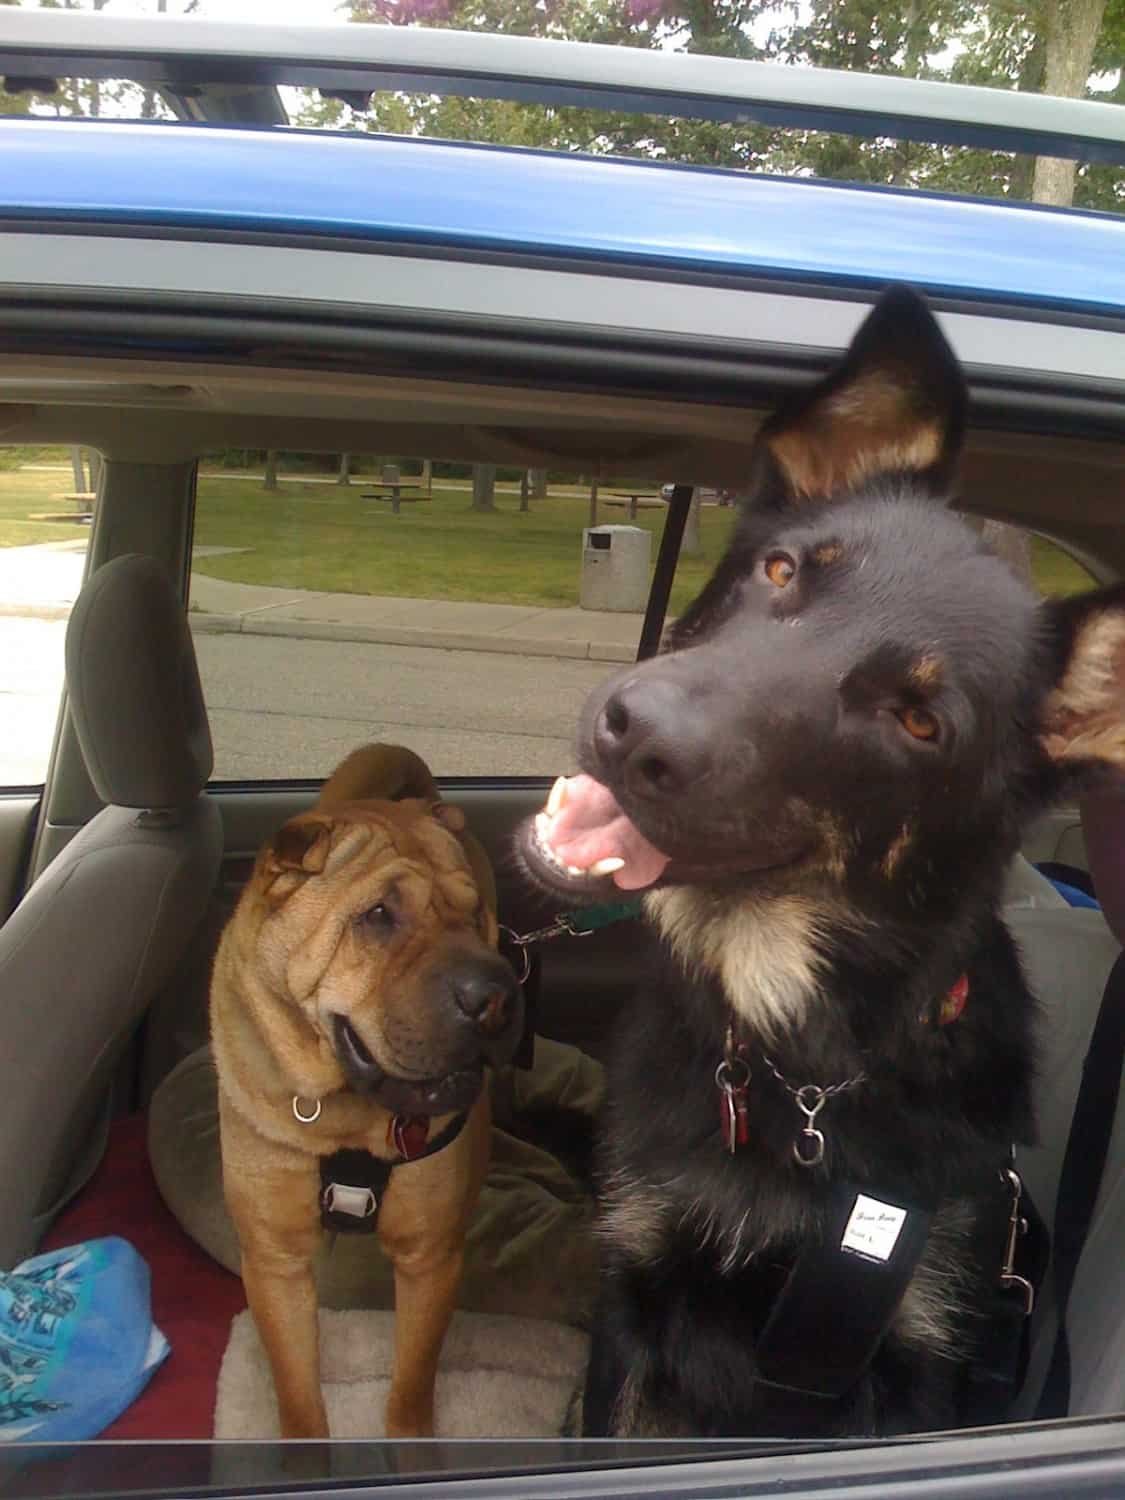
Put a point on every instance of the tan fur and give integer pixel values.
(868, 427)
(898, 847)
(925, 673)
(290, 957)
(1083, 719)
(828, 554)
(763, 948)
(632, 1218)
(927, 1315)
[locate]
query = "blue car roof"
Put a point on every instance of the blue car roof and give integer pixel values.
(390, 190)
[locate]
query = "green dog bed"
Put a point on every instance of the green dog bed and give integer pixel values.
(530, 1252)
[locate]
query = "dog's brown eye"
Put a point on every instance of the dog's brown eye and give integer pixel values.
(779, 569)
(919, 722)
(379, 917)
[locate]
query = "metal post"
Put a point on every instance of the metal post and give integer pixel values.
(665, 570)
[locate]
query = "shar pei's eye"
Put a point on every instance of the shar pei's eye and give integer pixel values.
(379, 919)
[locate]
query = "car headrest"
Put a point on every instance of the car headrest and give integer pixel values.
(134, 688)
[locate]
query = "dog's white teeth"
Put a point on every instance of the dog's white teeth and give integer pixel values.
(575, 870)
(608, 866)
(557, 797)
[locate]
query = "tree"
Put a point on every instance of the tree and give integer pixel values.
(525, 492)
(484, 487)
(344, 472)
(1070, 35)
(999, 43)
(270, 481)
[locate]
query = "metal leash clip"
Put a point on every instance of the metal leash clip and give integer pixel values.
(1017, 1225)
(562, 926)
(808, 1148)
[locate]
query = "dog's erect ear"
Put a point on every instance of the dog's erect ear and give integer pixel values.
(896, 405)
(1083, 724)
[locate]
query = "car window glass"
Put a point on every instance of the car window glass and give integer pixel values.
(401, 605)
(46, 505)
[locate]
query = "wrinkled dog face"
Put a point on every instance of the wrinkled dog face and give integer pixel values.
(378, 933)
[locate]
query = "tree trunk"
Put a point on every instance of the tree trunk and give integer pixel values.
(1071, 28)
(78, 471)
(484, 486)
(94, 467)
(428, 475)
(525, 491)
(538, 483)
(270, 482)
(593, 502)
(692, 544)
(344, 474)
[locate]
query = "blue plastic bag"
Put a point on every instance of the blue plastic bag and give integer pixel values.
(77, 1342)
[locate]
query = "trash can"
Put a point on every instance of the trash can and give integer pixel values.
(615, 563)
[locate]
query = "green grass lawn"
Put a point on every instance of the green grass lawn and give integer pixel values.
(22, 494)
(320, 537)
(324, 538)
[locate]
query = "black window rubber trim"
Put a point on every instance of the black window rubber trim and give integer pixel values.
(599, 360)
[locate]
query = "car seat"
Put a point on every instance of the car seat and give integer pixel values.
(106, 923)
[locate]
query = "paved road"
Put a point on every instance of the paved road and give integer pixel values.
(286, 707)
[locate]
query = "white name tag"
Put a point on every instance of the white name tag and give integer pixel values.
(873, 1228)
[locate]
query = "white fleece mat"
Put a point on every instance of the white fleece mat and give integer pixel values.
(499, 1377)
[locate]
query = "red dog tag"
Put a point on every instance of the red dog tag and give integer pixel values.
(409, 1134)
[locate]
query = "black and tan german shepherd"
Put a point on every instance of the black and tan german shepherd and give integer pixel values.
(818, 784)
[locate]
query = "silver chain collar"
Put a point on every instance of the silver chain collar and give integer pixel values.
(810, 1099)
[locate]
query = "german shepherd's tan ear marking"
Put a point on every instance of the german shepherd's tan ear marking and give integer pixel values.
(1084, 714)
(895, 405)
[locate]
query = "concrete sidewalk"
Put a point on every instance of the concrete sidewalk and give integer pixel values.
(41, 582)
(519, 630)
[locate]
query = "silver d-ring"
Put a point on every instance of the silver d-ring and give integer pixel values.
(724, 1074)
(306, 1119)
(525, 952)
(811, 1134)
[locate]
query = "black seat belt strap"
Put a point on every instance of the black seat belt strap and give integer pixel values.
(1083, 1165)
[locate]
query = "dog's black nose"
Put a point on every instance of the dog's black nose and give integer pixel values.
(644, 738)
(486, 993)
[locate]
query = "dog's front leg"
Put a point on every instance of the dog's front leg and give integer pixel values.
(426, 1284)
(281, 1292)
(272, 1197)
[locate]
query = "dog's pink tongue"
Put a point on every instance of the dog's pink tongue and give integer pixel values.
(590, 826)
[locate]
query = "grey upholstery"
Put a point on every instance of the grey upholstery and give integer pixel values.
(134, 688)
(105, 925)
(1096, 1314)
(1068, 954)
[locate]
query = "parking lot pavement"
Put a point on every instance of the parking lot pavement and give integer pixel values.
(293, 707)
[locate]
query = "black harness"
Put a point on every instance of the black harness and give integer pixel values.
(353, 1182)
(840, 1297)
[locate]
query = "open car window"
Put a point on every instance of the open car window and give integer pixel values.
(415, 380)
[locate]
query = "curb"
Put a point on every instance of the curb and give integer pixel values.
(35, 611)
(389, 635)
(202, 623)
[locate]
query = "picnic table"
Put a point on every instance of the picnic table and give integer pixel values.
(642, 500)
(394, 493)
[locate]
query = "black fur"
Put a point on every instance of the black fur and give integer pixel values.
(858, 864)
